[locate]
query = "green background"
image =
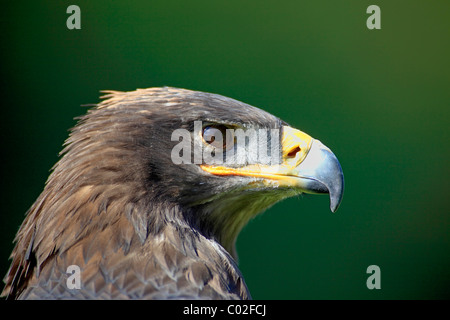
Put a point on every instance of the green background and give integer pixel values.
(378, 98)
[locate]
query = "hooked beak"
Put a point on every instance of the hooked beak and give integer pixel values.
(307, 165)
(321, 172)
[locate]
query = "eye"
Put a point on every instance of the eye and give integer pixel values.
(218, 136)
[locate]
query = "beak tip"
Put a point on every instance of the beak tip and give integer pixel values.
(337, 193)
(334, 207)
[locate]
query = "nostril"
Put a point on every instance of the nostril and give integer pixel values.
(293, 152)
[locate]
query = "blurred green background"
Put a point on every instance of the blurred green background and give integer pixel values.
(378, 98)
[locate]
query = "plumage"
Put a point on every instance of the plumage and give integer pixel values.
(137, 225)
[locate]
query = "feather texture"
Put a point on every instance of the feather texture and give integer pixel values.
(137, 226)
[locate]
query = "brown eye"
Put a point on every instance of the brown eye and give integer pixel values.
(218, 136)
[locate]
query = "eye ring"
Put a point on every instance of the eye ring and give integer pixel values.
(218, 136)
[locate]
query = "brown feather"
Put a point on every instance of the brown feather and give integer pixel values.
(118, 208)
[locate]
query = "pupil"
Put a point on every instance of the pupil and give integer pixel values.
(210, 136)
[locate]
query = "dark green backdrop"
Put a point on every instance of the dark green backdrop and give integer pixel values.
(378, 98)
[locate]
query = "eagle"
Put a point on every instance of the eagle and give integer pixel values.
(151, 191)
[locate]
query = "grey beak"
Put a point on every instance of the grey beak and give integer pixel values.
(321, 172)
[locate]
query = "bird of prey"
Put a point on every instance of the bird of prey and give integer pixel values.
(137, 222)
